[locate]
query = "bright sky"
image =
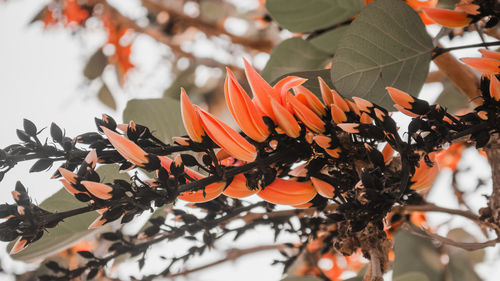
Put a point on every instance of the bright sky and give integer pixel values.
(41, 79)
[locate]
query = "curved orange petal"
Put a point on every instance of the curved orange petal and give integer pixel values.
(243, 110)
(323, 188)
(486, 66)
(190, 119)
(238, 188)
(284, 85)
(448, 18)
(69, 187)
(261, 90)
(212, 191)
(307, 116)
(127, 148)
(494, 88)
(312, 101)
(227, 138)
(18, 246)
(99, 190)
(326, 92)
(338, 115)
(68, 175)
(288, 192)
(490, 54)
(285, 120)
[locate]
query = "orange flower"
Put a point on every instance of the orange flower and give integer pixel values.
(227, 138)
(243, 110)
(448, 18)
(288, 192)
(486, 65)
(190, 118)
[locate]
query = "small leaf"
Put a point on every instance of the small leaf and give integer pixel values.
(328, 41)
(29, 127)
(22, 135)
(306, 16)
(106, 97)
(56, 133)
(386, 45)
(41, 165)
(161, 116)
(95, 65)
(86, 254)
(294, 54)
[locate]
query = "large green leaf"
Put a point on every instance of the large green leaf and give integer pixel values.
(312, 82)
(414, 253)
(461, 269)
(386, 45)
(67, 233)
(294, 54)
(161, 116)
(329, 40)
(306, 16)
(451, 97)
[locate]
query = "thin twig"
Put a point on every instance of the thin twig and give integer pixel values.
(231, 255)
(466, 246)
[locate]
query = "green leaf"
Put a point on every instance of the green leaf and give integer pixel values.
(161, 116)
(184, 79)
(95, 65)
(451, 97)
(414, 253)
(111, 172)
(301, 278)
(294, 54)
(312, 82)
(412, 276)
(461, 269)
(67, 233)
(461, 235)
(306, 16)
(106, 97)
(386, 45)
(328, 41)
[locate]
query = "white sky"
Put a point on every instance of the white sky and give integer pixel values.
(41, 79)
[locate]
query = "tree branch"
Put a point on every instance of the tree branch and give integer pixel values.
(462, 76)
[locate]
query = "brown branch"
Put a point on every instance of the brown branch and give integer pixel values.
(492, 213)
(463, 245)
(374, 272)
(231, 255)
(435, 76)
(209, 28)
(158, 35)
(435, 208)
(462, 76)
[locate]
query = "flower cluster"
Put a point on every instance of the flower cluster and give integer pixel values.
(344, 158)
